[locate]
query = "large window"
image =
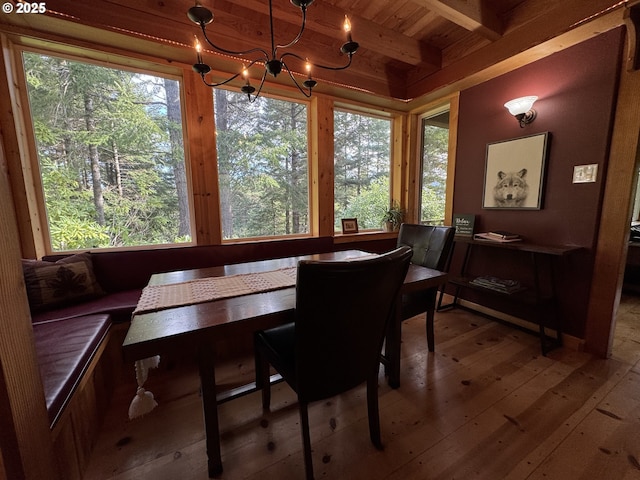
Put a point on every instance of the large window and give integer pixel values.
(362, 162)
(262, 166)
(110, 153)
(434, 159)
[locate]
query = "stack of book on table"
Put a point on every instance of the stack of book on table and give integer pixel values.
(498, 236)
(497, 284)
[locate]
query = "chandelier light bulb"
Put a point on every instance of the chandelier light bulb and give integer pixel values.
(198, 48)
(347, 24)
(347, 28)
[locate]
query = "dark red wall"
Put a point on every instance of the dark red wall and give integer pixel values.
(577, 92)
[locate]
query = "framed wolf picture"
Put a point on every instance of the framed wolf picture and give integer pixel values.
(514, 173)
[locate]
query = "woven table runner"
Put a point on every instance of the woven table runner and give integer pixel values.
(160, 297)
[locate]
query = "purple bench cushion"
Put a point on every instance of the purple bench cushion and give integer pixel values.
(120, 305)
(65, 349)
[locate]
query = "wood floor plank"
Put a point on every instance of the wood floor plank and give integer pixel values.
(465, 451)
(607, 440)
(484, 405)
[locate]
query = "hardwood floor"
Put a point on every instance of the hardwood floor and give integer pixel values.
(485, 405)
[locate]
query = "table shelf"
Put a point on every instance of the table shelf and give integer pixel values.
(529, 295)
(524, 294)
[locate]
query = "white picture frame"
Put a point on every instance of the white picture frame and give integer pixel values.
(514, 173)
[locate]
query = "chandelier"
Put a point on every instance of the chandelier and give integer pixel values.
(274, 62)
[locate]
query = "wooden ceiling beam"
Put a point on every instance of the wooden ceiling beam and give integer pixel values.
(326, 19)
(473, 15)
(565, 18)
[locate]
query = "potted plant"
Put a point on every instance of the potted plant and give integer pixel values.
(392, 218)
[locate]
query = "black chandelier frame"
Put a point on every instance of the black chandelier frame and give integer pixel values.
(273, 65)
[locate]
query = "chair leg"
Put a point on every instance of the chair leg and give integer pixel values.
(373, 412)
(262, 375)
(306, 439)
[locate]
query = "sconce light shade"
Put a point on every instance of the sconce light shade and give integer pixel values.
(521, 108)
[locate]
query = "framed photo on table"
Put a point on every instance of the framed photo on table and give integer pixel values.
(349, 225)
(514, 173)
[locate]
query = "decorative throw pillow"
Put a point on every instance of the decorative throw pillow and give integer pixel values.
(53, 284)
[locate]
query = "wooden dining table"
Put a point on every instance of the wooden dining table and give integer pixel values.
(197, 327)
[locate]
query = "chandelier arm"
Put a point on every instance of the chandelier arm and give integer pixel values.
(221, 83)
(203, 16)
(326, 67)
(295, 82)
(295, 40)
(344, 67)
(233, 77)
(233, 52)
(257, 94)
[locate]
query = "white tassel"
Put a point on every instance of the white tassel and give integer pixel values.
(143, 402)
(143, 366)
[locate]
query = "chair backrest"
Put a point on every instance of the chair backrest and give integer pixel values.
(342, 310)
(431, 244)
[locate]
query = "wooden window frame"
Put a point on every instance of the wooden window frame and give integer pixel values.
(199, 146)
(32, 194)
(396, 154)
(450, 103)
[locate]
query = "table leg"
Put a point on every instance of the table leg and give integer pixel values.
(392, 346)
(430, 314)
(206, 365)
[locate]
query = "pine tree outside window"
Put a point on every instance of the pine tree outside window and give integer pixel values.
(263, 166)
(362, 165)
(110, 154)
(433, 167)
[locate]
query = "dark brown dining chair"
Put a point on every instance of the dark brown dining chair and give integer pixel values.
(431, 246)
(335, 341)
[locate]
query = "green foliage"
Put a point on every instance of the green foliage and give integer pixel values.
(434, 173)
(71, 219)
(262, 165)
(69, 233)
(432, 207)
(362, 162)
(108, 154)
(368, 207)
(394, 215)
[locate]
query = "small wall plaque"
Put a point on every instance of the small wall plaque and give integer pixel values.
(585, 173)
(464, 223)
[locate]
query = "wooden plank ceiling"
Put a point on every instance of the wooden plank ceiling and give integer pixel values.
(407, 47)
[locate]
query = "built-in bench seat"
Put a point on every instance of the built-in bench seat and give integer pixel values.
(119, 305)
(65, 349)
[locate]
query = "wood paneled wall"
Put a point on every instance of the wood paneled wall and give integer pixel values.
(611, 250)
(23, 415)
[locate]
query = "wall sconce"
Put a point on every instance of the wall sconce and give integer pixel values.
(521, 109)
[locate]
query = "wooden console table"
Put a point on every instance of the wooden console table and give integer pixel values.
(530, 295)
